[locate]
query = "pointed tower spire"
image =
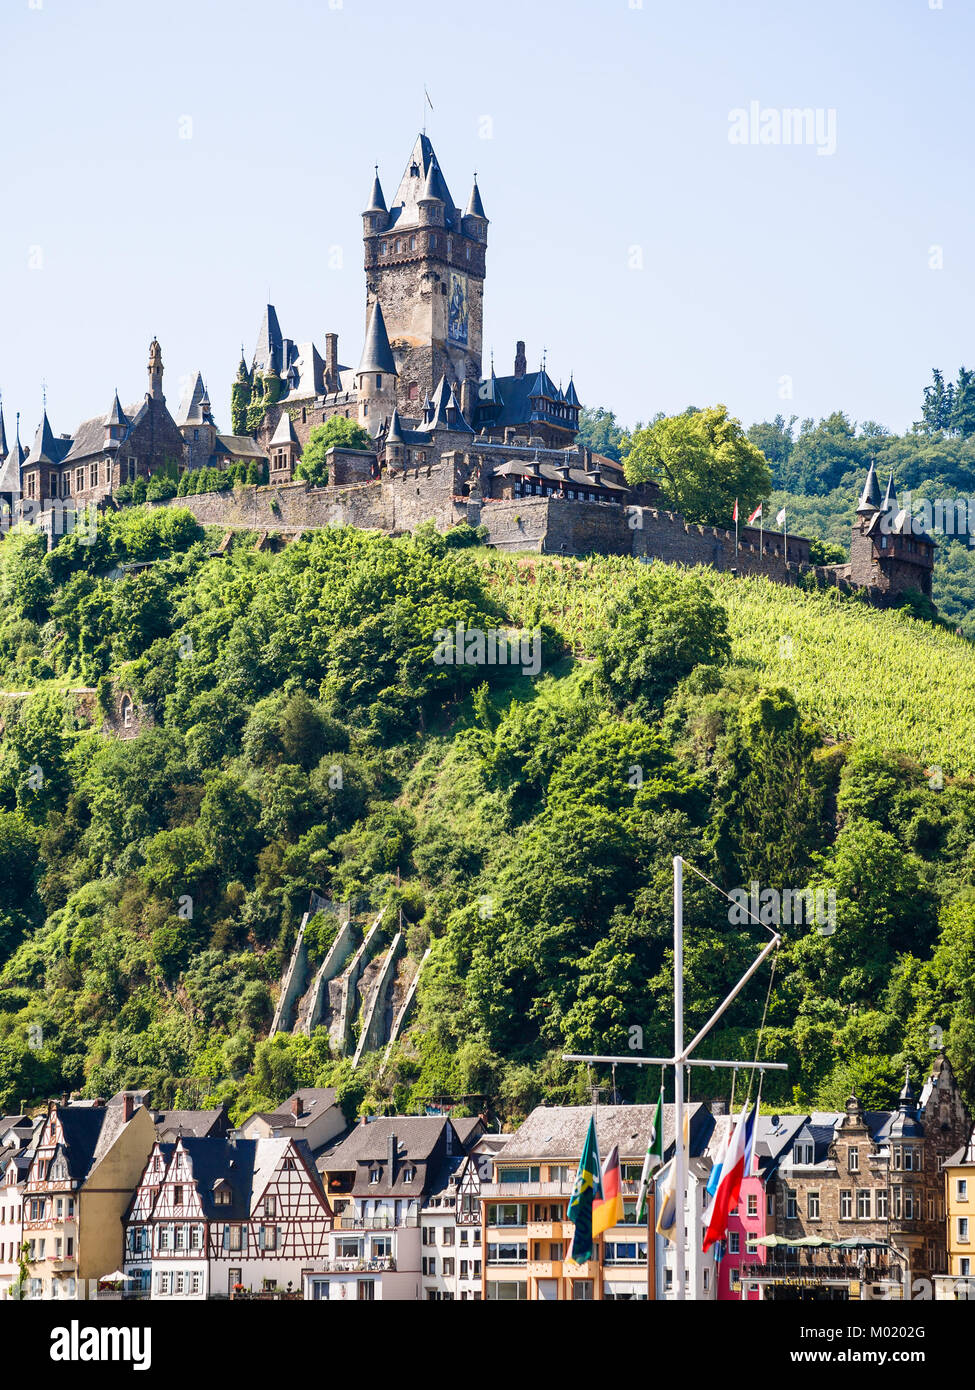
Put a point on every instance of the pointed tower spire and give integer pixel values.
(475, 208)
(377, 355)
(155, 370)
(889, 498)
(116, 416)
(3, 434)
(377, 203)
(870, 497)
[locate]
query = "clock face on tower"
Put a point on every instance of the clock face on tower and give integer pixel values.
(457, 309)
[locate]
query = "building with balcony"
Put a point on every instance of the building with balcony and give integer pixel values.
(526, 1236)
(450, 1222)
(379, 1179)
(17, 1133)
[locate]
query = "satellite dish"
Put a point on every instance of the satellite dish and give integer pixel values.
(775, 1121)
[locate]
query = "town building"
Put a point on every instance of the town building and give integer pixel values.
(85, 1164)
(450, 1220)
(378, 1180)
(864, 1193)
(217, 1217)
(527, 1237)
(196, 1124)
(959, 1281)
(312, 1114)
(17, 1133)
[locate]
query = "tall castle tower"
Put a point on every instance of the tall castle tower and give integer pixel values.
(425, 264)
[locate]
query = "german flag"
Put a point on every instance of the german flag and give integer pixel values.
(608, 1210)
(588, 1188)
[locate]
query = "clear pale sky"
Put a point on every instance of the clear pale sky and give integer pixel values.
(600, 133)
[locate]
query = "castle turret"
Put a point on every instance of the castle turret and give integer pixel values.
(285, 450)
(3, 435)
(889, 549)
(432, 208)
(196, 424)
(475, 224)
(10, 471)
(376, 374)
(376, 215)
(116, 423)
(155, 371)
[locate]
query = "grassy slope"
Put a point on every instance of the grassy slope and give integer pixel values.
(863, 674)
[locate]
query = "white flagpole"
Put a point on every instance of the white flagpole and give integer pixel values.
(680, 1179)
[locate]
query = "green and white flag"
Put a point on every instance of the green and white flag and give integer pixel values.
(655, 1151)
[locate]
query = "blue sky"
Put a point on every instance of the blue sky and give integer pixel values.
(660, 262)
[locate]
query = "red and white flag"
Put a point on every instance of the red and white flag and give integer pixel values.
(734, 514)
(732, 1171)
(755, 513)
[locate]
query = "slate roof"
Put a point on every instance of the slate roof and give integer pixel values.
(377, 203)
(516, 407)
(444, 400)
(239, 446)
(268, 354)
(81, 1126)
(420, 1144)
(285, 431)
(314, 1101)
(47, 449)
(244, 1165)
(190, 410)
(559, 1131)
(306, 374)
(90, 437)
(870, 497)
(193, 1123)
(116, 416)
(377, 356)
(475, 208)
(578, 477)
(10, 480)
(418, 180)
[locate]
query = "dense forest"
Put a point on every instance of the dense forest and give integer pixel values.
(300, 738)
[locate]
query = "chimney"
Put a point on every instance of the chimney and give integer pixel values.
(391, 1156)
(521, 361)
(466, 397)
(297, 1109)
(128, 1105)
(331, 361)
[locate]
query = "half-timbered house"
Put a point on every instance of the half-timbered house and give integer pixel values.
(216, 1216)
(85, 1165)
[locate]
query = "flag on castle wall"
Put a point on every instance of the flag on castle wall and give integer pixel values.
(755, 513)
(588, 1187)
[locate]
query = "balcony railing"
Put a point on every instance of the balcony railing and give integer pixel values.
(545, 1269)
(348, 1264)
(348, 1222)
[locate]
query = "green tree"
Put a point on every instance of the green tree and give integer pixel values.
(337, 432)
(661, 627)
(598, 428)
(701, 461)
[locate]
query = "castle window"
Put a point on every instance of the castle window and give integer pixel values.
(304, 415)
(196, 434)
(449, 246)
(399, 244)
(468, 253)
(412, 243)
(414, 393)
(433, 242)
(379, 383)
(383, 247)
(79, 479)
(131, 467)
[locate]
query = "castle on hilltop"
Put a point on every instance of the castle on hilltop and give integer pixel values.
(449, 442)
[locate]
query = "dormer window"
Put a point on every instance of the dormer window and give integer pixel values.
(374, 1175)
(409, 1174)
(803, 1153)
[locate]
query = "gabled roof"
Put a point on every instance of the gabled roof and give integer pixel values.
(191, 410)
(90, 437)
(543, 385)
(559, 1131)
(418, 181)
(444, 401)
(197, 1124)
(245, 1166)
(315, 1100)
(377, 356)
(307, 372)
